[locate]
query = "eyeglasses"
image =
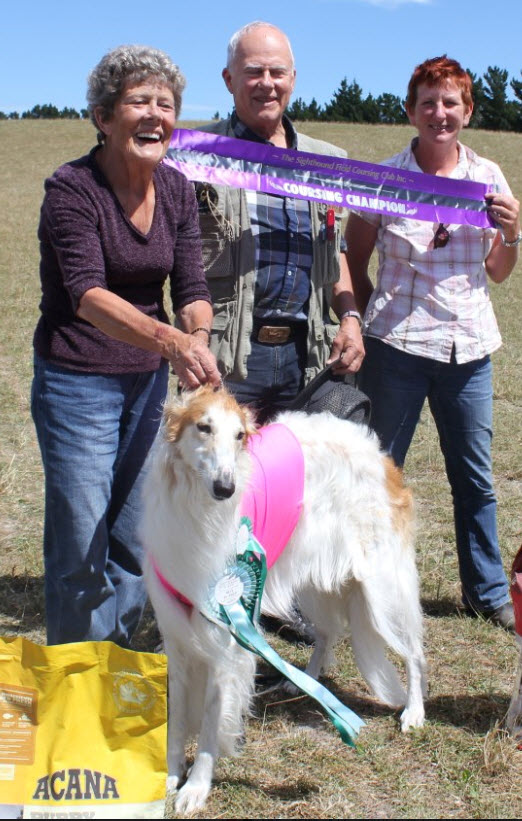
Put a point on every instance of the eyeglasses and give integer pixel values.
(442, 236)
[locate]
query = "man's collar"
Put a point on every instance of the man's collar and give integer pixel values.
(243, 132)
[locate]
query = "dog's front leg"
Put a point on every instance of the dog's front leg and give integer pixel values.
(194, 792)
(177, 726)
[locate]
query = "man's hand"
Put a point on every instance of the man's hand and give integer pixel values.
(347, 351)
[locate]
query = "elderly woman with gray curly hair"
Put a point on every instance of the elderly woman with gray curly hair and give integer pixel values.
(115, 225)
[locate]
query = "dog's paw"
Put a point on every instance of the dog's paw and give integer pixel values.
(191, 797)
(173, 783)
(177, 769)
(412, 717)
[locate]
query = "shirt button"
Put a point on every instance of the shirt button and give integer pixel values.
(289, 273)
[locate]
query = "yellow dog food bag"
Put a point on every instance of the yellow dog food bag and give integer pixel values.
(82, 731)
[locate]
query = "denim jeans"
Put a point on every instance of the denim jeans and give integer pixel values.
(94, 431)
(461, 402)
(275, 376)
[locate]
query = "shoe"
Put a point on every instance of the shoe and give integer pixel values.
(503, 616)
(298, 631)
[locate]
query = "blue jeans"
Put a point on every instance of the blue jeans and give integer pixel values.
(275, 376)
(461, 402)
(94, 431)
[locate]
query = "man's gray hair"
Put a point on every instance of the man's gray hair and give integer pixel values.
(234, 40)
(133, 64)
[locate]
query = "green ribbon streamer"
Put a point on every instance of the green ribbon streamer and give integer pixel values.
(240, 617)
(345, 721)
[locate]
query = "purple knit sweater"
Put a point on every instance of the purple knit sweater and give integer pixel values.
(86, 240)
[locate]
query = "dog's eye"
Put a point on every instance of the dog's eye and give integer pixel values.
(203, 428)
(241, 435)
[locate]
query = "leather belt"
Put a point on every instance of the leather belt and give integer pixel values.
(274, 334)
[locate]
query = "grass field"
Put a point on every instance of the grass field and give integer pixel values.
(461, 764)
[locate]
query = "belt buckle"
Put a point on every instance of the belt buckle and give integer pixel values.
(274, 334)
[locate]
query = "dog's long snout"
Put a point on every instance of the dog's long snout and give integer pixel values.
(224, 487)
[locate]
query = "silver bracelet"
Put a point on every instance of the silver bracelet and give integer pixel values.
(512, 243)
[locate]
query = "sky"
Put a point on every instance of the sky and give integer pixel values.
(48, 47)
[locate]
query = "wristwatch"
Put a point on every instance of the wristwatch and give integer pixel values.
(516, 241)
(355, 314)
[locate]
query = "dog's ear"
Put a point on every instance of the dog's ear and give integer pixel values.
(173, 412)
(181, 408)
(249, 420)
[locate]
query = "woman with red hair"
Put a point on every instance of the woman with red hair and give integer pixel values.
(429, 326)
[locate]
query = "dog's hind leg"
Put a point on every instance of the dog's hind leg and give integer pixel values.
(404, 635)
(413, 713)
(322, 611)
(369, 649)
(325, 612)
(382, 613)
(320, 660)
(193, 794)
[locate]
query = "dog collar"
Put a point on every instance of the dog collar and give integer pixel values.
(168, 586)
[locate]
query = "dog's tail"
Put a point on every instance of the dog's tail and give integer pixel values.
(369, 649)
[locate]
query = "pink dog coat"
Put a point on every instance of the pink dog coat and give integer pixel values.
(273, 500)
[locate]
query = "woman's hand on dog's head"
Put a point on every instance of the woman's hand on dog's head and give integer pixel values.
(193, 363)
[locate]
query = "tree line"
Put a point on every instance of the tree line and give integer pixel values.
(47, 112)
(493, 109)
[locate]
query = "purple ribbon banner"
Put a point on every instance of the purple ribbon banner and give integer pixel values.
(336, 181)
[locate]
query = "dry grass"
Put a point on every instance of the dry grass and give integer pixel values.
(461, 765)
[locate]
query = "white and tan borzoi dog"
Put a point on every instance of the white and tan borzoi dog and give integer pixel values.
(348, 564)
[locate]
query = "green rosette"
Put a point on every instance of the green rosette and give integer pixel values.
(234, 601)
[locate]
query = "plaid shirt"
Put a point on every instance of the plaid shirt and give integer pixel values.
(282, 230)
(428, 300)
